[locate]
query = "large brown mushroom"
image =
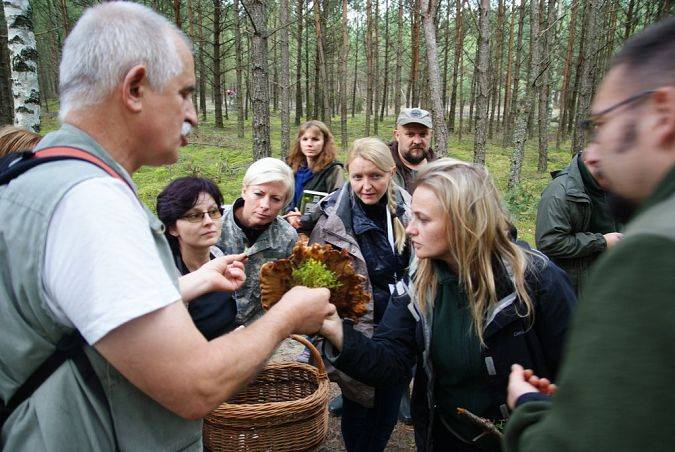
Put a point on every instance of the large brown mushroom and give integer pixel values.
(348, 293)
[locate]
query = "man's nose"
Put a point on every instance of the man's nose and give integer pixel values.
(191, 115)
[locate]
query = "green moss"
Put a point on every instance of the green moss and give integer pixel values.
(312, 273)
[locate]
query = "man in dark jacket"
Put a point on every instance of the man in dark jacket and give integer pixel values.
(574, 223)
(411, 147)
(615, 384)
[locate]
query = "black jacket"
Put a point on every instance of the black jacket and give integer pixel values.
(403, 338)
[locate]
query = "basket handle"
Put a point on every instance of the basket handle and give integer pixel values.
(315, 353)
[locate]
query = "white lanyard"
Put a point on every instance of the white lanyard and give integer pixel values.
(400, 287)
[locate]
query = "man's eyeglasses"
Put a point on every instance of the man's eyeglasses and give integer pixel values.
(197, 217)
(591, 124)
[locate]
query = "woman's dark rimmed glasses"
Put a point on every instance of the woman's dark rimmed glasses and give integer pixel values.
(591, 123)
(197, 217)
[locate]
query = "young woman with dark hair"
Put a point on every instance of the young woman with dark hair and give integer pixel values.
(191, 210)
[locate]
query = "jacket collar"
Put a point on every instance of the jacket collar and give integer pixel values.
(574, 184)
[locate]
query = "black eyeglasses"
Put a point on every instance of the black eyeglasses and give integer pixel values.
(591, 123)
(198, 217)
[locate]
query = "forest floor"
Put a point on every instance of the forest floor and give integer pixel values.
(220, 155)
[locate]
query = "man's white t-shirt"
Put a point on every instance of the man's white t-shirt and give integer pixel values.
(102, 268)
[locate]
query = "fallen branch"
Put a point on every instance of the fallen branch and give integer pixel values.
(484, 424)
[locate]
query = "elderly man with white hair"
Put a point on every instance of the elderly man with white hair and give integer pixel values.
(87, 279)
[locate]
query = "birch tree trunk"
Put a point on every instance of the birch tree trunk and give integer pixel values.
(429, 8)
(587, 69)
(284, 80)
(526, 102)
(257, 11)
(6, 98)
(343, 78)
(482, 100)
(507, 139)
(23, 62)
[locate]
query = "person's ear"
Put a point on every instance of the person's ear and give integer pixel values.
(396, 133)
(172, 231)
(133, 88)
(243, 191)
(664, 124)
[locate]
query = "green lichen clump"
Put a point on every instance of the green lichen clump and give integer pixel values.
(312, 273)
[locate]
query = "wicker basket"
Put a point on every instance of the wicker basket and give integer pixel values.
(284, 409)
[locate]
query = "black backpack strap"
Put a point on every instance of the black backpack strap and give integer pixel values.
(13, 165)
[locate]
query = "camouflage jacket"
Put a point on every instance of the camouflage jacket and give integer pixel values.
(275, 243)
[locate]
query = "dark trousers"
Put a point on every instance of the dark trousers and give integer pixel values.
(368, 429)
(444, 440)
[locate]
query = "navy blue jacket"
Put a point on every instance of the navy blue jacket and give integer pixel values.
(403, 337)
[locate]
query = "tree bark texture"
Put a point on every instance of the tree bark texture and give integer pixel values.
(369, 64)
(284, 80)
(544, 97)
(526, 102)
(257, 11)
(587, 70)
(343, 78)
(513, 108)
(217, 87)
(6, 98)
(239, 95)
(459, 37)
(399, 61)
(429, 8)
(298, 64)
(23, 62)
(482, 99)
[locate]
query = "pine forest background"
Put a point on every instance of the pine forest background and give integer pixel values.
(506, 81)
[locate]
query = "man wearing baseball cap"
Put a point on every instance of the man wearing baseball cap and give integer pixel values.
(411, 146)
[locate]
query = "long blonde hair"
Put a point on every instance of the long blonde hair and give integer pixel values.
(477, 228)
(377, 152)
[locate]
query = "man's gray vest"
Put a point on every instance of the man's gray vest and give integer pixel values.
(66, 412)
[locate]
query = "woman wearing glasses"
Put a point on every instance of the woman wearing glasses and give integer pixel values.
(252, 226)
(190, 208)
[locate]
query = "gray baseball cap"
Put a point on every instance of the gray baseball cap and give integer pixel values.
(414, 116)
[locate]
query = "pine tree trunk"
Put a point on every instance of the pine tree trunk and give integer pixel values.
(375, 75)
(343, 78)
(323, 77)
(544, 98)
(356, 74)
(399, 61)
(23, 56)
(200, 62)
(257, 10)
(459, 37)
(383, 105)
(509, 74)
(308, 97)
(191, 28)
(481, 126)
(6, 98)
(526, 102)
(217, 87)
(239, 69)
(460, 128)
(567, 64)
(176, 14)
(414, 97)
(497, 72)
(298, 64)
(518, 55)
(429, 8)
(369, 64)
(628, 27)
(587, 72)
(446, 56)
(284, 80)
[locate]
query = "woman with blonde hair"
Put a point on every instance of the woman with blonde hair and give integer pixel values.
(367, 217)
(314, 165)
(252, 225)
(481, 302)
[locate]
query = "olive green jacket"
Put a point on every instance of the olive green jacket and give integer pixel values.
(562, 228)
(615, 385)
